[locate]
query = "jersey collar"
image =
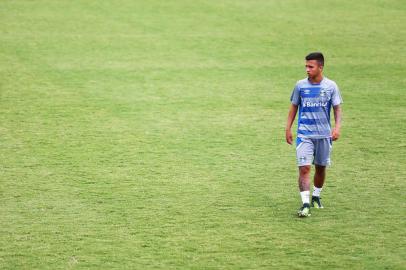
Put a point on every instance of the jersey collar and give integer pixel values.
(322, 79)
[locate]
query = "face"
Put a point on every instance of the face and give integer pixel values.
(313, 69)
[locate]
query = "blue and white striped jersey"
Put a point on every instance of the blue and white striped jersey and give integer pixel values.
(315, 102)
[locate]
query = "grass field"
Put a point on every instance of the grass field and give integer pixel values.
(150, 135)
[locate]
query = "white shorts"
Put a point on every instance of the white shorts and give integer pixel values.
(313, 151)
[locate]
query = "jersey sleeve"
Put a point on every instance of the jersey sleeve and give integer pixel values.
(295, 97)
(336, 96)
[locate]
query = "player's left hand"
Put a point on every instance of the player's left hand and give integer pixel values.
(335, 134)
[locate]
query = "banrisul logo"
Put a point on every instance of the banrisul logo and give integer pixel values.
(314, 104)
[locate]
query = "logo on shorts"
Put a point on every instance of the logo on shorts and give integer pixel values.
(302, 159)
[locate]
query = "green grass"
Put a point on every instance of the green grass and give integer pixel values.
(150, 135)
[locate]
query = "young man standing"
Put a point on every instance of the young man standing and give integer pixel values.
(314, 97)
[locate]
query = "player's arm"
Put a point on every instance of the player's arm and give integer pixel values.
(289, 123)
(335, 134)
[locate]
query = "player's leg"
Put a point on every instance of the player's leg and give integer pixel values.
(304, 188)
(323, 149)
(304, 181)
(319, 177)
(304, 153)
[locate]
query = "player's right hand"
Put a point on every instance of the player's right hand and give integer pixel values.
(289, 138)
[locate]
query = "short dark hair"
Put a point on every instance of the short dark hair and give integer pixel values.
(316, 56)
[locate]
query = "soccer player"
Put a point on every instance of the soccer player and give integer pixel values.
(313, 96)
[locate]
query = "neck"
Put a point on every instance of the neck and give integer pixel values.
(316, 79)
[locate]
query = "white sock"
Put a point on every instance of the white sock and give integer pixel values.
(317, 191)
(305, 196)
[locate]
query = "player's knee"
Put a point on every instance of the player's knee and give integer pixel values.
(304, 170)
(320, 169)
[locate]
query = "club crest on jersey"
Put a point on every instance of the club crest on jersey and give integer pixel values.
(322, 92)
